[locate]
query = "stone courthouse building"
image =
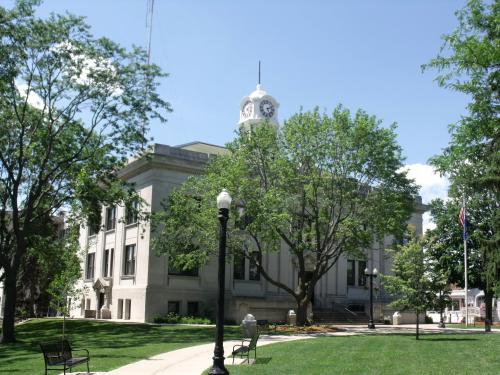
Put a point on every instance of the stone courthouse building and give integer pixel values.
(123, 278)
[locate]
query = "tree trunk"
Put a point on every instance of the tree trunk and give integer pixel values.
(10, 307)
(418, 322)
(488, 301)
(302, 311)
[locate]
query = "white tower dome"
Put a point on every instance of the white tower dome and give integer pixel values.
(257, 107)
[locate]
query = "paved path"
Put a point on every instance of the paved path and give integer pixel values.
(195, 359)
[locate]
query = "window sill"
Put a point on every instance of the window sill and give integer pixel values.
(88, 280)
(109, 231)
(127, 277)
(131, 225)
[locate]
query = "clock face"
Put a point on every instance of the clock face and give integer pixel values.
(247, 109)
(266, 108)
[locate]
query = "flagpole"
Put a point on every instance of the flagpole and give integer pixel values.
(465, 265)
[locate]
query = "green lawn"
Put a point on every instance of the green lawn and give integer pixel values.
(457, 354)
(111, 345)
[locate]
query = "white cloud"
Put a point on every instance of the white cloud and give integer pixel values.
(34, 99)
(432, 186)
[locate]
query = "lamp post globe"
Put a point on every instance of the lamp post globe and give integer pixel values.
(223, 204)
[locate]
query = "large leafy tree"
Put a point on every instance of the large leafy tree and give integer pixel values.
(412, 282)
(72, 109)
(319, 185)
(446, 246)
(469, 63)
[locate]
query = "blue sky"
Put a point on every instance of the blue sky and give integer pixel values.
(363, 54)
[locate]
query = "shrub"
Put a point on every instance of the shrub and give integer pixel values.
(173, 318)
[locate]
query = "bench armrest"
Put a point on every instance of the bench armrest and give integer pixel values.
(239, 346)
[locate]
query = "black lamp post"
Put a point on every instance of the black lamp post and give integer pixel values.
(371, 275)
(223, 204)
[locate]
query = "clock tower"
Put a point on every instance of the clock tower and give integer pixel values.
(257, 107)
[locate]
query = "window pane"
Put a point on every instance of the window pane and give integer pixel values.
(106, 263)
(110, 218)
(129, 262)
(131, 213)
(350, 272)
(192, 309)
(239, 268)
(111, 262)
(174, 307)
(253, 271)
(89, 272)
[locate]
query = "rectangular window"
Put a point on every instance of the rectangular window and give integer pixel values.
(192, 309)
(239, 268)
(89, 270)
(120, 309)
(351, 279)
(110, 218)
(361, 273)
(131, 212)
(111, 262)
(129, 260)
(92, 229)
(87, 304)
(174, 307)
(105, 265)
(253, 271)
(174, 271)
(128, 309)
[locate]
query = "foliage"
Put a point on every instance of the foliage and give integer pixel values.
(319, 184)
(73, 109)
(469, 63)
(410, 282)
(49, 269)
(173, 318)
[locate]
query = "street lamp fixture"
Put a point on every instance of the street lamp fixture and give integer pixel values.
(371, 275)
(223, 204)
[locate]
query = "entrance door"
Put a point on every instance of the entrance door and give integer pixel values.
(101, 301)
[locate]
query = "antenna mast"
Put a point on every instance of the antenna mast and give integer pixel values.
(259, 72)
(149, 26)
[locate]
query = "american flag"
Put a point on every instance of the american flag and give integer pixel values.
(463, 221)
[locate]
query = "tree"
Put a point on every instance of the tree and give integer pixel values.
(73, 109)
(319, 184)
(469, 63)
(446, 245)
(411, 281)
(52, 252)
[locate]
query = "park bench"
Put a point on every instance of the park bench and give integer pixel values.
(58, 355)
(243, 349)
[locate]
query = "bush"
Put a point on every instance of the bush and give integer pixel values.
(428, 319)
(173, 318)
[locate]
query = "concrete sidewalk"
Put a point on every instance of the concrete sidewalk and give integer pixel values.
(193, 360)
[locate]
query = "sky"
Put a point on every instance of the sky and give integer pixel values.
(362, 54)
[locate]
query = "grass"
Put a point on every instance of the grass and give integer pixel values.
(470, 326)
(111, 345)
(434, 354)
